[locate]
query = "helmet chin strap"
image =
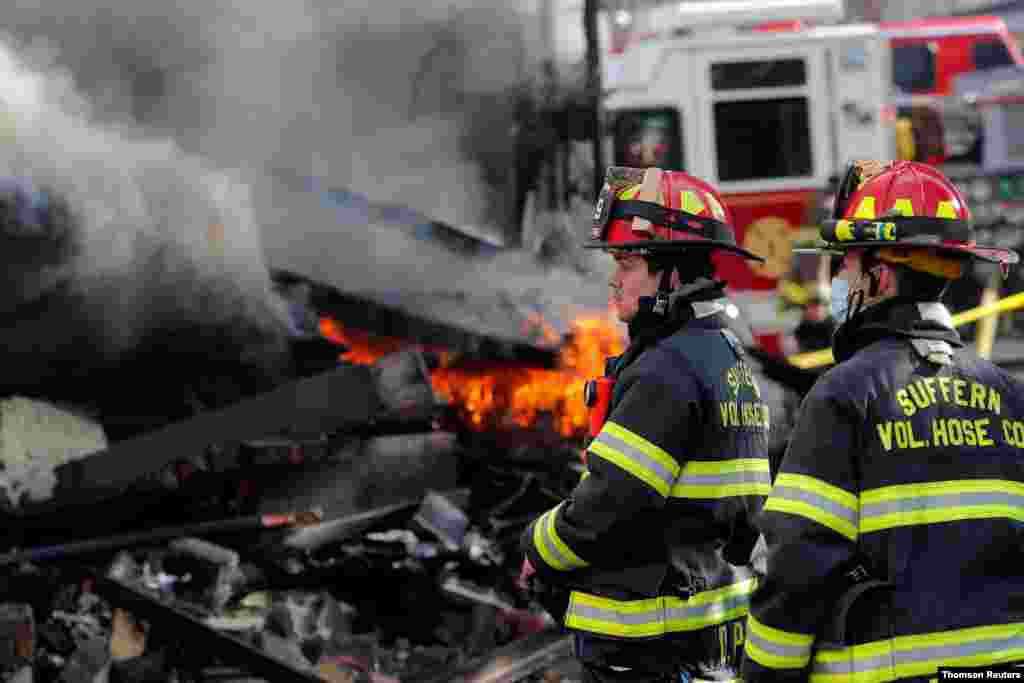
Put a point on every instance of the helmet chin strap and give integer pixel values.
(875, 281)
(661, 299)
(856, 304)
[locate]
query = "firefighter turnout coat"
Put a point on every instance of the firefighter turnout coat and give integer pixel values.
(673, 480)
(894, 527)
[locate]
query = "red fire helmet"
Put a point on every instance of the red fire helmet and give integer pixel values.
(654, 210)
(904, 204)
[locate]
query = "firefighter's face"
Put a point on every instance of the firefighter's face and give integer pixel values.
(867, 286)
(631, 280)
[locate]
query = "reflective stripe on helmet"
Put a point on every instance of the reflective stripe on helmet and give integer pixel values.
(920, 230)
(689, 225)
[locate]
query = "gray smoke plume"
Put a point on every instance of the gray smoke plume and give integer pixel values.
(403, 101)
(132, 108)
(154, 235)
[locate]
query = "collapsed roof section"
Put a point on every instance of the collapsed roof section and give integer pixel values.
(397, 272)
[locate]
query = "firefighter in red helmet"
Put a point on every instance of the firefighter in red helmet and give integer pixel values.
(646, 562)
(893, 526)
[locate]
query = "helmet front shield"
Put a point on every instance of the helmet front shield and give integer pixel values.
(616, 179)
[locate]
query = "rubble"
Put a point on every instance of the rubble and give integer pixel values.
(152, 607)
(241, 594)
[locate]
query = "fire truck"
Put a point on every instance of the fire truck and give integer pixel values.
(929, 53)
(769, 101)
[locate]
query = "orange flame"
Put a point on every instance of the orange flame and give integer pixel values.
(364, 348)
(507, 395)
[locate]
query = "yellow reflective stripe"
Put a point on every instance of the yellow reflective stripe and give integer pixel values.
(903, 207)
(574, 561)
(919, 655)
(745, 587)
(640, 443)
(844, 231)
(774, 648)
(657, 616)
(551, 547)
(723, 478)
(805, 496)
(626, 619)
(931, 488)
(636, 455)
(540, 542)
(822, 488)
(945, 209)
(866, 208)
(691, 203)
(942, 501)
(709, 608)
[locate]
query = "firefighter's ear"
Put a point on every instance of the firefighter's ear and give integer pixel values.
(883, 279)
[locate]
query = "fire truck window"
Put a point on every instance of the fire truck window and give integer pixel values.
(991, 54)
(649, 137)
(777, 73)
(913, 68)
(763, 139)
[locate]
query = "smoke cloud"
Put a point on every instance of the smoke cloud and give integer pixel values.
(154, 235)
(180, 134)
(403, 101)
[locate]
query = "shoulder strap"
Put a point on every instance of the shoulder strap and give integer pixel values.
(734, 343)
(933, 350)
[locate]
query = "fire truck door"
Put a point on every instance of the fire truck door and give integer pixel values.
(859, 88)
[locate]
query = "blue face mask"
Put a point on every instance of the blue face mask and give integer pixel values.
(840, 300)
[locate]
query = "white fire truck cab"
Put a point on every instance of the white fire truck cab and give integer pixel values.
(767, 116)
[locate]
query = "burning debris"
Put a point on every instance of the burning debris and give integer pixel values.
(490, 395)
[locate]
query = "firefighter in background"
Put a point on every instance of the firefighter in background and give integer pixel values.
(806, 286)
(814, 331)
(645, 559)
(894, 526)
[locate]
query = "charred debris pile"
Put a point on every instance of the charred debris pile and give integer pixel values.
(346, 525)
(237, 502)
